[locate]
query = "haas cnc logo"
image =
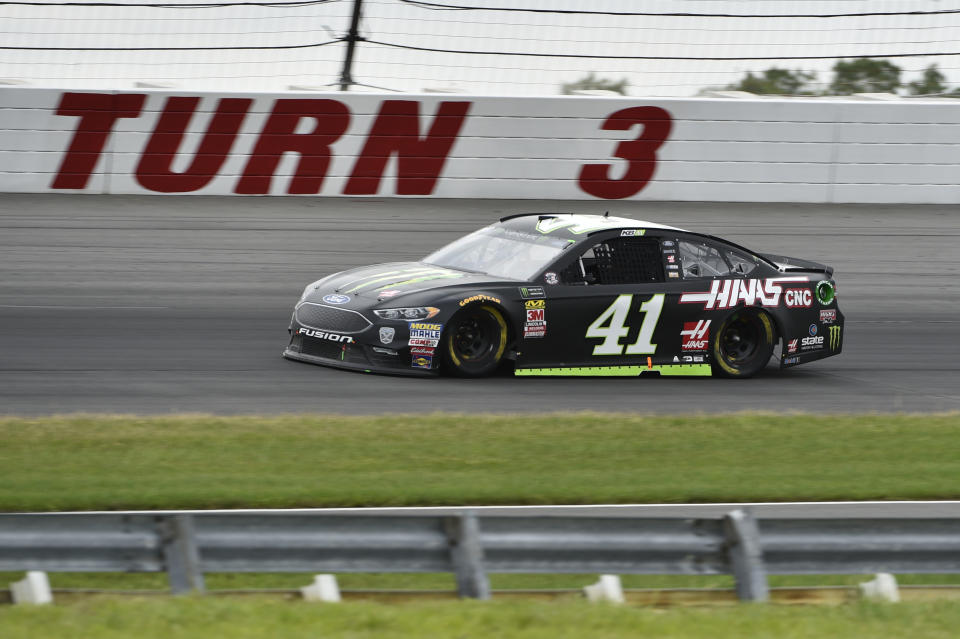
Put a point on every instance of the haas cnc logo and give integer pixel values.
(696, 335)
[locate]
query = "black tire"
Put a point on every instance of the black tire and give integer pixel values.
(743, 344)
(474, 341)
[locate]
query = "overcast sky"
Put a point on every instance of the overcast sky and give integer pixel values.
(379, 65)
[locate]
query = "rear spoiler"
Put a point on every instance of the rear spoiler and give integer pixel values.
(796, 265)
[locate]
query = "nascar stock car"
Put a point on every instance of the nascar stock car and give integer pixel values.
(563, 294)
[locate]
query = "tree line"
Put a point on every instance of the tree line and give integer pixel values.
(862, 75)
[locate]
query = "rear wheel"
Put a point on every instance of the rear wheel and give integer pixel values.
(475, 341)
(743, 345)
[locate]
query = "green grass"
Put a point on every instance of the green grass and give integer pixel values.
(446, 581)
(252, 617)
(118, 462)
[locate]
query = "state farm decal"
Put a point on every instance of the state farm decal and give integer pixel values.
(396, 131)
(730, 293)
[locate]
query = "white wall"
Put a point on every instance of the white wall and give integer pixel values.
(721, 150)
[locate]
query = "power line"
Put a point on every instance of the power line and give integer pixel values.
(204, 5)
(455, 7)
(279, 46)
(659, 57)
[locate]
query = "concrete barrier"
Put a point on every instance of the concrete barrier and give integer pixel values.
(453, 146)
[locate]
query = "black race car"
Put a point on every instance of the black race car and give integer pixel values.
(561, 294)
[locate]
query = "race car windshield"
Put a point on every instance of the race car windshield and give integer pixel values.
(501, 252)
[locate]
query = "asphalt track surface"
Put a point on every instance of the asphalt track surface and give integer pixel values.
(151, 304)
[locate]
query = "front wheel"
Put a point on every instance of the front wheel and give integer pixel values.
(474, 341)
(743, 345)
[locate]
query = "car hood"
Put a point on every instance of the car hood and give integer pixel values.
(387, 281)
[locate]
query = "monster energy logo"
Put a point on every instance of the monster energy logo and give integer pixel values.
(834, 337)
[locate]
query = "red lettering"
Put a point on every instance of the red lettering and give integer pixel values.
(98, 112)
(419, 160)
(641, 153)
(278, 137)
(153, 171)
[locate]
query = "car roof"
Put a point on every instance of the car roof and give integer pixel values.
(575, 225)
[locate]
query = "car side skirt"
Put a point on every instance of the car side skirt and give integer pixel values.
(695, 370)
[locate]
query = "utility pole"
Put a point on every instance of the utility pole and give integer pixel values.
(353, 36)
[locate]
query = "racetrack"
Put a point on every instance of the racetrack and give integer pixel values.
(151, 304)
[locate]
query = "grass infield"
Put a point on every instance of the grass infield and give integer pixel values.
(196, 461)
(234, 618)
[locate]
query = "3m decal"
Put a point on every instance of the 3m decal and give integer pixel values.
(729, 293)
(611, 327)
(536, 315)
(696, 335)
(834, 332)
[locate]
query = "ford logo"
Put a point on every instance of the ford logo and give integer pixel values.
(336, 298)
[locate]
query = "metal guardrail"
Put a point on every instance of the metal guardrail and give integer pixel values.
(187, 545)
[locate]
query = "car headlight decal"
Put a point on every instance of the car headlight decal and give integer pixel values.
(407, 314)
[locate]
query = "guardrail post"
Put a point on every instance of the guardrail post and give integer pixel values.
(467, 555)
(746, 556)
(180, 554)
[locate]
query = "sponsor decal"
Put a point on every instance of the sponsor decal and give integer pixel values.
(387, 294)
(423, 330)
(333, 337)
(551, 278)
(792, 345)
(826, 292)
(671, 259)
(673, 267)
(834, 332)
(478, 298)
(812, 343)
(536, 315)
(790, 361)
(577, 224)
(729, 293)
(828, 316)
(673, 274)
(534, 331)
(386, 334)
(696, 335)
(632, 232)
(422, 350)
(798, 298)
(419, 341)
(527, 292)
(535, 304)
(669, 243)
(422, 361)
(689, 359)
(336, 298)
